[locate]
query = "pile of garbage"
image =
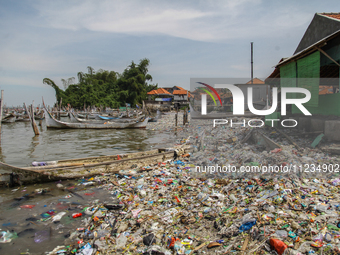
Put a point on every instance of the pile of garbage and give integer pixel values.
(168, 208)
(165, 211)
(167, 123)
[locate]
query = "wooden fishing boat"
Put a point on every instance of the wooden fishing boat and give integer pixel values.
(22, 118)
(75, 119)
(10, 118)
(153, 119)
(86, 167)
(87, 116)
(130, 123)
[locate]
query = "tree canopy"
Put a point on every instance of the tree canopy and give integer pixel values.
(106, 88)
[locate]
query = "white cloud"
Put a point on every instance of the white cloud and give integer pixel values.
(205, 21)
(57, 39)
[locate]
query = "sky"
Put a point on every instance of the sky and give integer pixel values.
(182, 39)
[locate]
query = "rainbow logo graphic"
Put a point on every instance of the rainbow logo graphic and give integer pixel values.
(209, 93)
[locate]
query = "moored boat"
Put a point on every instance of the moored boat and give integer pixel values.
(22, 118)
(86, 167)
(51, 122)
(87, 116)
(10, 118)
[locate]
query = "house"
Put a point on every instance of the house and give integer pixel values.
(180, 95)
(160, 95)
(314, 66)
(159, 99)
(172, 89)
(256, 81)
(169, 96)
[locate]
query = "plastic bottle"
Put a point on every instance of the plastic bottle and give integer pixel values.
(76, 215)
(58, 216)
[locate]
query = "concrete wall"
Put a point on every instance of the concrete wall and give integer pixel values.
(332, 128)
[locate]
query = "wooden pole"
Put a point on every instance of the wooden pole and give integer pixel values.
(183, 117)
(1, 109)
(31, 117)
(176, 114)
(186, 115)
(34, 125)
(322, 51)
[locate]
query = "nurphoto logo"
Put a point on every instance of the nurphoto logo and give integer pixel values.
(257, 99)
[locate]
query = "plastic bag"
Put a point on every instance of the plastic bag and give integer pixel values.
(42, 236)
(246, 226)
(6, 237)
(121, 241)
(281, 233)
(58, 216)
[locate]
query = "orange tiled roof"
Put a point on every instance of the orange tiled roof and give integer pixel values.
(158, 91)
(180, 92)
(152, 92)
(163, 91)
(179, 88)
(332, 15)
(256, 81)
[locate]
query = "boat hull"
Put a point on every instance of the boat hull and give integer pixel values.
(84, 167)
(53, 123)
(9, 120)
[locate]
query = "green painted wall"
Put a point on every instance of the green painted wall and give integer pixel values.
(328, 105)
(288, 77)
(274, 115)
(308, 74)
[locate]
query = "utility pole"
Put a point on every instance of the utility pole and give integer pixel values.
(252, 63)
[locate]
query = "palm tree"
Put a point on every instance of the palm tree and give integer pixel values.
(58, 92)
